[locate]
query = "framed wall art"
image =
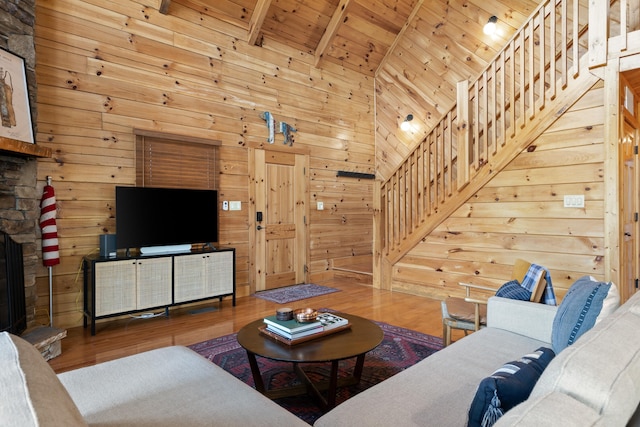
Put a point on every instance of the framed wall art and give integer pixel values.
(15, 113)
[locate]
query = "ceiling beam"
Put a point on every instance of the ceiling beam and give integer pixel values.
(164, 6)
(408, 22)
(257, 19)
(332, 29)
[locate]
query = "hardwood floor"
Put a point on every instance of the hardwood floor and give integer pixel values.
(191, 324)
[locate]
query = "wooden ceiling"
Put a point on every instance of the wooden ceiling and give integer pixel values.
(356, 34)
(361, 34)
(417, 50)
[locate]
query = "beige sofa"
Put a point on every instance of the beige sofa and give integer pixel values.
(172, 386)
(594, 382)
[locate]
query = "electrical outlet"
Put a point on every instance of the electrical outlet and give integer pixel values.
(574, 201)
(320, 206)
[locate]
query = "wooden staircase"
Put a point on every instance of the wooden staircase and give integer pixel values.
(539, 74)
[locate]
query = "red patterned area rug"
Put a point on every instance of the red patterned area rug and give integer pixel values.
(294, 293)
(399, 349)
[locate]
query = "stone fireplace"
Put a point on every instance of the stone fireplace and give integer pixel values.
(19, 197)
(13, 317)
(19, 212)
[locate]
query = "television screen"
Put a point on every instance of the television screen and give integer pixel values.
(147, 216)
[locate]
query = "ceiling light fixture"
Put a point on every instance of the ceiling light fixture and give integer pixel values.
(405, 125)
(490, 27)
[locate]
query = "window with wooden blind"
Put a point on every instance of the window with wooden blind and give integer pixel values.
(173, 162)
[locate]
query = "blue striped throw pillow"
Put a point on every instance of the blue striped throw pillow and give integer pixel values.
(578, 311)
(513, 290)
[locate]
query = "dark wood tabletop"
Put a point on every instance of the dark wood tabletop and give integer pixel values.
(363, 336)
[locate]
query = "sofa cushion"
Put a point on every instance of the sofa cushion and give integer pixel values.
(602, 369)
(31, 393)
(513, 290)
(506, 387)
(581, 307)
(436, 391)
(551, 410)
(170, 386)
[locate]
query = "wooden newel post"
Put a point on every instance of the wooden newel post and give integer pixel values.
(464, 133)
(599, 32)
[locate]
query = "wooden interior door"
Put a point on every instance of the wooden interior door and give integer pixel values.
(629, 191)
(279, 210)
(629, 212)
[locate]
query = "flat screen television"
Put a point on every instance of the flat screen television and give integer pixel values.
(160, 217)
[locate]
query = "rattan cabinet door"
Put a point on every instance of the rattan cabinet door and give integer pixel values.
(153, 284)
(188, 277)
(219, 273)
(115, 287)
(201, 276)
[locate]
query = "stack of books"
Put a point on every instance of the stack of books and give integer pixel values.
(292, 330)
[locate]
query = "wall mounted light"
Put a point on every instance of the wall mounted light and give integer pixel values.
(406, 125)
(490, 27)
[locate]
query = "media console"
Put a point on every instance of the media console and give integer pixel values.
(125, 285)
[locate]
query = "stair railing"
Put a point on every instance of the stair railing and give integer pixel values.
(491, 113)
(614, 30)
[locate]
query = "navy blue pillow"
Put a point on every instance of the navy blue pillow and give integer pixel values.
(507, 387)
(514, 290)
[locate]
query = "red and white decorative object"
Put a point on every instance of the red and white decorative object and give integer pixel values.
(50, 248)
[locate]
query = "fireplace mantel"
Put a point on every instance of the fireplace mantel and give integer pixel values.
(8, 145)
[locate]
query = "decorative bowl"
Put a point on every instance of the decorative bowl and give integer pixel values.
(284, 314)
(305, 315)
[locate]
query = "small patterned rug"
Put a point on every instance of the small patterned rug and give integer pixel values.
(294, 293)
(400, 349)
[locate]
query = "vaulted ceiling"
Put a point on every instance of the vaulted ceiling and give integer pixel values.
(417, 50)
(356, 34)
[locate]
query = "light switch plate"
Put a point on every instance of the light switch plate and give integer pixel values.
(320, 206)
(574, 201)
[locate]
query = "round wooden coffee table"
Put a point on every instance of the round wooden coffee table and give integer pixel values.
(363, 336)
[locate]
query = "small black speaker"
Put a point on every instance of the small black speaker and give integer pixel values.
(108, 245)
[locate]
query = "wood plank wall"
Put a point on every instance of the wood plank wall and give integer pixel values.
(106, 67)
(443, 45)
(520, 214)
